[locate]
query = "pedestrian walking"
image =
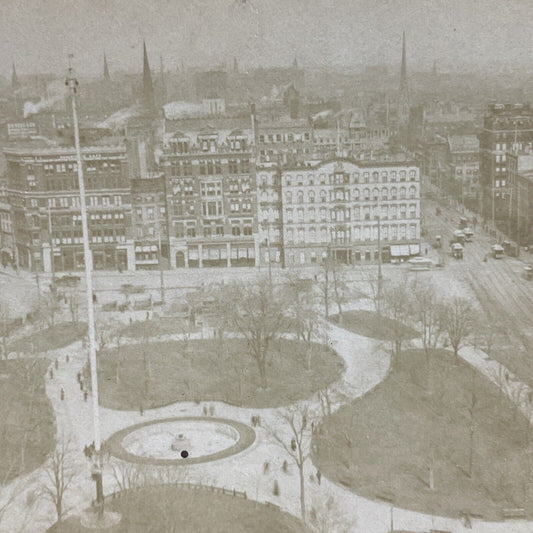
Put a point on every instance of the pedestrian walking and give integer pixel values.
(67, 358)
(56, 364)
(253, 421)
(85, 395)
(318, 476)
(62, 394)
(141, 410)
(51, 374)
(258, 420)
(204, 411)
(266, 467)
(78, 376)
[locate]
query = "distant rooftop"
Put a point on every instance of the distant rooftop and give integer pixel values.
(463, 143)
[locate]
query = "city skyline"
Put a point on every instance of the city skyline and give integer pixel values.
(265, 33)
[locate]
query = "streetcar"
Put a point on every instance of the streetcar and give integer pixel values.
(497, 251)
(457, 250)
(469, 234)
(420, 263)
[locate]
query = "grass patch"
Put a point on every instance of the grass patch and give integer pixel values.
(52, 338)
(27, 418)
(147, 329)
(385, 441)
(212, 369)
(167, 509)
(370, 324)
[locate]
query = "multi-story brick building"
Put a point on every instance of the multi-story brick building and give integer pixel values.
(7, 241)
(44, 197)
(149, 221)
(520, 167)
(464, 168)
(505, 126)
(334, 208)
(211, 198)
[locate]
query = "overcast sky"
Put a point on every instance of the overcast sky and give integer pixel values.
(39, 34)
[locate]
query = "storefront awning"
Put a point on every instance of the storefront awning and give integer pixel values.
(399, 250)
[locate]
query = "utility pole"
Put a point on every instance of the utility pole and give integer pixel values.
(161, 277)
(51, 246)
(493, 207)
(269, 261)
(72, 84)
(380, 261)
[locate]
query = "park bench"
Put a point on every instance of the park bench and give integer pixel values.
(514, 513)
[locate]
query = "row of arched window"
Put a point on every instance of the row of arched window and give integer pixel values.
(315, 235)
(345, 195)
(340, 214)
(383, 176)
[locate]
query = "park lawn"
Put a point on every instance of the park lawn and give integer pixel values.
(215, 370)
(370, 324)
(382, 443)
(24, 417)
(167, 509)
(147, 329)
(51, 338)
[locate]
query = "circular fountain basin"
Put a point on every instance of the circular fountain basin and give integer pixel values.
(185, 440)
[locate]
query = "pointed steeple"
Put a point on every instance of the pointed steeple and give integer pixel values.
(403, 73)
(14, 78)
(107, 77)
(148, 88)
(162, 81)
(403, 97)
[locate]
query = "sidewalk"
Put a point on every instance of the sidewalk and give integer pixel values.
(366, 363)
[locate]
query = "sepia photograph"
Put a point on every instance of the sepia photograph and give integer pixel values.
(266, 266)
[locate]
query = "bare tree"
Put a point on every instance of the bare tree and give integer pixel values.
(397, 300)
(128, 475)
(325, 399)
(59, 477)
(301, 300)
(32, 380)
(297, 444)
(9, 496)
(49, 307)
(258, 313)
(6, 328)
(333, 285)
(326, 516)
(427, 313)
(74, 301)
(457, 322)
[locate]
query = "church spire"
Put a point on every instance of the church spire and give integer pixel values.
(162, 80)
(403, 97)
(403, 73)
(148, 88)
(14, 78)
(107, 77)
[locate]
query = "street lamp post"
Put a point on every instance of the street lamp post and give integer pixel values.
(161, 276)
(380, 261)
(72, 84)
(269, 263)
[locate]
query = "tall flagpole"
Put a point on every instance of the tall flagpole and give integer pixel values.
(72, 83)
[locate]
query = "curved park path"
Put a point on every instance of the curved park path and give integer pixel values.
(367, 363)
